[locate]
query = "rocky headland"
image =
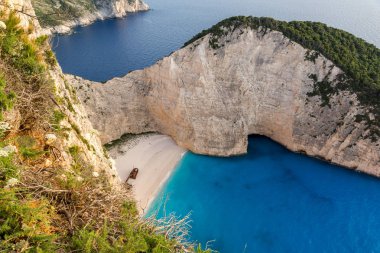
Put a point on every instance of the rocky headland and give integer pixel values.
(237, 79)
(61, 16)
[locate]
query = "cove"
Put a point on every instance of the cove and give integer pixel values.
(270, 200)
(273, 200)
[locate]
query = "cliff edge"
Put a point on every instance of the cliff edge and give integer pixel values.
(58, 188)
(238, 80)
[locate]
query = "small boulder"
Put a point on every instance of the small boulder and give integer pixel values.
(6, 151)
(4, 126)
(4, 129)
(48, 163)
(11, 183)
(50, 139)
(63, 177)
(10, 149)
(3, 26)
(3, 153)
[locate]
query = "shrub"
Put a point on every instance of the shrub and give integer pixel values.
(56, 120)
(28, 147)
(31, 153)
(25, 64)
(25, 224)
(133, 236)
(8, 169)
(26, 141)
(6, 98)
(22, 52)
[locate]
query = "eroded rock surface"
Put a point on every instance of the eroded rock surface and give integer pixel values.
(209, 101)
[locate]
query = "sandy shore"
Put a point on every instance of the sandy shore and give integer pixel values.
(155, 156)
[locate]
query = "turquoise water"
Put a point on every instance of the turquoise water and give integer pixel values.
(114, 47)
(272, 200)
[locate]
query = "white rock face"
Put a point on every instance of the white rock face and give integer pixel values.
(209, 101)
(85, 136)
(50, 139)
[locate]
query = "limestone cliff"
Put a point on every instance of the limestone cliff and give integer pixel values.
(60, 16)
(78, 129)
(81, 132)
(210, 99)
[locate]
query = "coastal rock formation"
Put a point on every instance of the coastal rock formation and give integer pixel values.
(210, 99)
(82, 133)
(60, 16)
(120, 8)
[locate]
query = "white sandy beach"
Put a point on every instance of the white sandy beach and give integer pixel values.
(155, 156)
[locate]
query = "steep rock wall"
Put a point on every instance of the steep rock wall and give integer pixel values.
(210, 100)
(79, 130)
(82, 133)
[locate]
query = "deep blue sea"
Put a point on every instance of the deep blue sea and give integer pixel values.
(112, 48)
(270, 200)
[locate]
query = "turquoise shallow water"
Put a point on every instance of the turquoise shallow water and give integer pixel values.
(272, 200)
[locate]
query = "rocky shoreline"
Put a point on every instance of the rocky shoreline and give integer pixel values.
(104, 10)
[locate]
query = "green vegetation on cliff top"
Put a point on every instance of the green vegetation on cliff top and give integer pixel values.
(359, 60)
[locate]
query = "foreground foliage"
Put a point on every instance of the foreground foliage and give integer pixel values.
(24, 81)
(47, 205)
(358, 59)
